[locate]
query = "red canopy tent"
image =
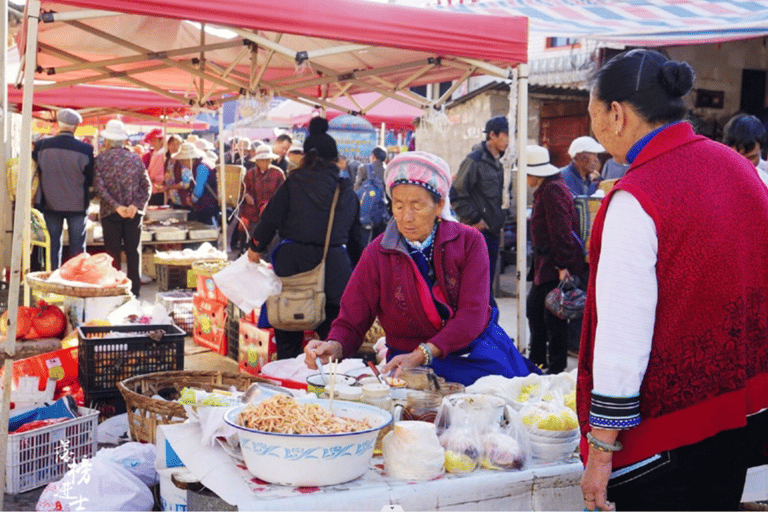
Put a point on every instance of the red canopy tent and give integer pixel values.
(97, 105)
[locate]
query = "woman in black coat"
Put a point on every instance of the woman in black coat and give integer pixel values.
(298, 213)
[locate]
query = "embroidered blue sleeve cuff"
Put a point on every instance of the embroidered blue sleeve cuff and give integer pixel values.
(613, 412)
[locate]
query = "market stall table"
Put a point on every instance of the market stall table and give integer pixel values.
(546, 487)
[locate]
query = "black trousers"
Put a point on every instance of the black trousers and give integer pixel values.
(118, 230)
(289, 342)
(548, 333)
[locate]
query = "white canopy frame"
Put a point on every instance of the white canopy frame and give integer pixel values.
(217, 82)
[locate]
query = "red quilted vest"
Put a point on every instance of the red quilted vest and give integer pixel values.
(708, 366)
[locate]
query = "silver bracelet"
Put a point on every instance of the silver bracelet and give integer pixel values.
(602, 445)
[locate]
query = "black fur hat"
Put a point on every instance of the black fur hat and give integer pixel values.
(319, 141)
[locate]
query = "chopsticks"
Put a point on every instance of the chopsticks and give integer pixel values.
(333, 363)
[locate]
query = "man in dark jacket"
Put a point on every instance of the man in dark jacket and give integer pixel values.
(66, 172)
(476, 191)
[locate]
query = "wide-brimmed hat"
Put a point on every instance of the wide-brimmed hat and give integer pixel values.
(188, 151)
(584, 144)
(538, 162)
(114, 130)
(264, 152)
(204, 145)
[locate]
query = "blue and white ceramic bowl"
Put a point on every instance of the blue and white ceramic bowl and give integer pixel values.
(312, 459)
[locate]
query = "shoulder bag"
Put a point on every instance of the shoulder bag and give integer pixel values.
(300, 306)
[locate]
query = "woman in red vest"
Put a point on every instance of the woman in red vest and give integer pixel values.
(673, 373)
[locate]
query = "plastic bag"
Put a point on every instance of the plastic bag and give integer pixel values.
(136, 458)
(96, 484)
(247, 284)
(96, 270)
(461, 439)
(412, 451)
(506, 447)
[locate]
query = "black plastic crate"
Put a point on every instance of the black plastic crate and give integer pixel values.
(234, 314)
(106, 361)
(171, 277)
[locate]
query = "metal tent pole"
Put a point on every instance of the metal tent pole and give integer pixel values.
(21, 218)
(222, 185)
(522, 206)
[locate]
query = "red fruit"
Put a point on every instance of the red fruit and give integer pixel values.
(50, 321)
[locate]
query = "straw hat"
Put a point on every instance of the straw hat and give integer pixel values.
(538, 162)
(114, 130)
(203, 144)
(188, 151)
(264, 152)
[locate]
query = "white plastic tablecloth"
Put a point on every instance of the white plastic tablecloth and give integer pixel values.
(547, 487)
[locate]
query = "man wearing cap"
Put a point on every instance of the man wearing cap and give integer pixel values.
(477, 188)
(583, 173)
(66, 172)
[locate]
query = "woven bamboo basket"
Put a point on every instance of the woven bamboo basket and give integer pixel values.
(184, 262)
(38, 281)
(146, 413)
(207, 268)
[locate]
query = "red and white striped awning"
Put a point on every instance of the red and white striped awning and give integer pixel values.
(634, 22)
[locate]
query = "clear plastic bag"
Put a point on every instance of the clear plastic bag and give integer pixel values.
(506, 447)
(247, 284)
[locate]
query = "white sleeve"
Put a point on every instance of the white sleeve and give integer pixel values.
(626, 295)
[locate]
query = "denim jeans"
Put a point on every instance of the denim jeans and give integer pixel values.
(54, 221)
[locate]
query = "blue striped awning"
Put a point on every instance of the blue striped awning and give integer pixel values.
(634, 22)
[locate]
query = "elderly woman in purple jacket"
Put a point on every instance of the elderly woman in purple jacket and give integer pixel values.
(557, 253)
(426, 278)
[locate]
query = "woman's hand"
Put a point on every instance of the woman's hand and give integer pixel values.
(249, 199)
(325, 350)
(562, 273)
(594, 481)
(403, 362)
(253, 256)
(123, 212)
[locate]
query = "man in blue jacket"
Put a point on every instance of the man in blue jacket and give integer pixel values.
(65, 165)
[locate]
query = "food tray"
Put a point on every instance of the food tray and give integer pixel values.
(169, 234)
(103, 362)
(39, 282)
(146, 413)
(178, 303)
(37, 457)
(203, 234)
(146, 235)
(160, 214)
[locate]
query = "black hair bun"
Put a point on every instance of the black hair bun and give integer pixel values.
(676, 78)
(318, 125)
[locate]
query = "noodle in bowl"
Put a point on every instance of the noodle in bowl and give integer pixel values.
(311, 459)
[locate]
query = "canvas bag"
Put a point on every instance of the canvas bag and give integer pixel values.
(300, 306)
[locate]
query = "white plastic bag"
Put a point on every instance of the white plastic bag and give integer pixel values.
(412, 452)
(96, 484)
(247, 284)
(137, 458)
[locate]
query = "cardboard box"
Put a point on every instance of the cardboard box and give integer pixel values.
(148, 264)
(256, 348)
(81, 310)
(208, 289)
(210, 324)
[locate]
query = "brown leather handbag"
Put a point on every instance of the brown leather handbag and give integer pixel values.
(300, 306)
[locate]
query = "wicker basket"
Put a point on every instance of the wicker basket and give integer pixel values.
(207, 268)
(39, 282)
(184, 262)
(146, 413)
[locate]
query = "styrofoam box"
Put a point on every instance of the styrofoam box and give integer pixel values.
(38, 457)
(171, 497)
(84, 309)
